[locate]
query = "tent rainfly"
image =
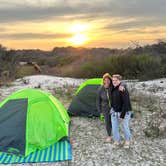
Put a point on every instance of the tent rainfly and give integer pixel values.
(84, 102)
(31, 120)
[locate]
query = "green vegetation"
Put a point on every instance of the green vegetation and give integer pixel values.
(25, 71)
(130, 66)
(144, 63)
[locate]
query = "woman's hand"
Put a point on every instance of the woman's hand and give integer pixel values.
(121, 120)
(101, 116)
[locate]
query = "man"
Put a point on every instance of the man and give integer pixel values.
(120, 111)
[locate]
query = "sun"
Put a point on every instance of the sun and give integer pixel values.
(78, 39)
(79, 34)
(79, 28)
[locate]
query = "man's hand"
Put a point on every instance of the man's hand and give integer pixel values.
(121, 88)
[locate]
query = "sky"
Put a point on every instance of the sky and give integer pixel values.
(45, 24)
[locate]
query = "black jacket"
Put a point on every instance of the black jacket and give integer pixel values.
(103, 100)
(120, 101)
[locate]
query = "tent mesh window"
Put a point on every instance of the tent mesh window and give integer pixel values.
(13, 126)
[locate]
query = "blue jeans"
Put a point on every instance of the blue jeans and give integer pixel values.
(115, 125)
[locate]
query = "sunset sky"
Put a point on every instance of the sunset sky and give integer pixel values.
(44, 24)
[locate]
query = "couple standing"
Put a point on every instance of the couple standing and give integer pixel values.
(113, 102)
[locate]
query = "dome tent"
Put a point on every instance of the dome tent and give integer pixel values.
(31, 120)
(84, 102)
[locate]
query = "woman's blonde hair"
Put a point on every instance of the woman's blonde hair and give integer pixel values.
(107, 75)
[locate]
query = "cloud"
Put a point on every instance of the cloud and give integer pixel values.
(42, 10)
(22, 36)
(2, 29)
(140, 23)
(108, 17)
(31, 11)
(141, 31)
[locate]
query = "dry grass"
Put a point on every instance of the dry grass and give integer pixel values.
(25, 71)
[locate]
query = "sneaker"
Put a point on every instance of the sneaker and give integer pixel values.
(116, 144)
(126, 145)
(108, 139)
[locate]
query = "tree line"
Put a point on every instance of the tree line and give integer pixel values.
(141, 62)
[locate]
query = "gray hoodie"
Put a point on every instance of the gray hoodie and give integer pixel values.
(103, 100)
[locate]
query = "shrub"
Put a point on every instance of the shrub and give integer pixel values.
(141, 67)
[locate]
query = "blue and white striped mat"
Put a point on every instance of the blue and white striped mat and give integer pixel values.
(60, 151)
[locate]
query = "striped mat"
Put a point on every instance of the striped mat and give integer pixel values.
(60, 151)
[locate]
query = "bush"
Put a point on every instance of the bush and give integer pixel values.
(148, 62)
(141, 67)
(64, 60)
(23, 71)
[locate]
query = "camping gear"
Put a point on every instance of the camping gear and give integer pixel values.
(30, 121)
(59, 151)
(84, 102)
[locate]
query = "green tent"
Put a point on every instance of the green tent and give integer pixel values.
(31, 120)
(84, 102)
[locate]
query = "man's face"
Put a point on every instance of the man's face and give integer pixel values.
(115, 81)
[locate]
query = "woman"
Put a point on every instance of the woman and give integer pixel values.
(120, 111)
(103, 102)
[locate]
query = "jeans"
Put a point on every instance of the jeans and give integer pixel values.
(115, 125)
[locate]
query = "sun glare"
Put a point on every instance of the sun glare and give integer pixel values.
(78, 39)
(79, 28)
(79, 34)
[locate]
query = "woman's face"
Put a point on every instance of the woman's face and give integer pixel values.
(106, 82)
